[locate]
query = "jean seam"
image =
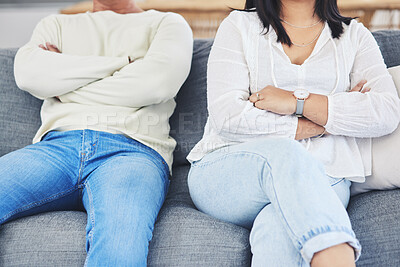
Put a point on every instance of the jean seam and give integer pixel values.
(300, 259)
(146, 161)
(144, 148)
(337, 182)
(279, 207)
(95, 145)
(326, 229)
(92, 219)
(82, 158)
(313, 233)
(38, 203)
(224, 156)
(266, 164)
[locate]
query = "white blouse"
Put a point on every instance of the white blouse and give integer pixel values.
(244, 60)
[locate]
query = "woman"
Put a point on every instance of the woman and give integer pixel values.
(285, 135)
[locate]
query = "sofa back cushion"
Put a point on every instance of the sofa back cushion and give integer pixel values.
(389, 43)
(19, 111)
(188, 121)
(190, 116)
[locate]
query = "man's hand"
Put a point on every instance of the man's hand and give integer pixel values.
(50, 47)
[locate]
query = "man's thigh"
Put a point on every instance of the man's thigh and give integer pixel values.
(33, 178)
(125, 183)
(123, 197)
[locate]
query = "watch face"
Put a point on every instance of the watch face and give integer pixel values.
(301, 93)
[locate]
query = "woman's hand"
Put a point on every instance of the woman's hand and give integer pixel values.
(274, 99)
(283, 102)
(360, 87)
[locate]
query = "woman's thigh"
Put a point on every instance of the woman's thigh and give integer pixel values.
(341, 186)
(228, 184)
(227, 187)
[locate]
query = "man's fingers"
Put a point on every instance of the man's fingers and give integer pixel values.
(359, 86)
(43, 47)
(52, 48)
(49, 47)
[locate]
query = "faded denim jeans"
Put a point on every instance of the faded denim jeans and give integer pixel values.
(120, 182)
(278, 190)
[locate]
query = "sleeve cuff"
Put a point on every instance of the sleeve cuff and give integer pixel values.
(329, 123)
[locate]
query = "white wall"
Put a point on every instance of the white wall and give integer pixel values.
(17, 23)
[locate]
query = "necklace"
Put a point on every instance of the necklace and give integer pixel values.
(302, 27)
(316, 37)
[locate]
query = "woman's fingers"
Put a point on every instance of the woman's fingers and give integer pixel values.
(365, 90)
(359, 86)
(254, 98)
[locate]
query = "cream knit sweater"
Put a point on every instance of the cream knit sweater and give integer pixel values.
(97, 87)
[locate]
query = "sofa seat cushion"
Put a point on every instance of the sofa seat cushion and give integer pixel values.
(375, 217)
(182, 236)
(47, 239)
(186, 237)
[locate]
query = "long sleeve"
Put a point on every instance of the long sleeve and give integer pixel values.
(47, 74)
(372, 114)
(154, 79)
(230, 110)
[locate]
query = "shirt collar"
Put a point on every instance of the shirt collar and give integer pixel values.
(325, 36)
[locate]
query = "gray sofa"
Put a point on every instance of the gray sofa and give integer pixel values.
(183, 236)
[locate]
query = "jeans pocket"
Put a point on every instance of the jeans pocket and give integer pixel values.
(335, 181)
(341, 186)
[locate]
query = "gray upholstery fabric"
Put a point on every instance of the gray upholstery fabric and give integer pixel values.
(19, 111)
(375, 217)
(187, 122)
(182, 236)
(47, 239)
(389, 43)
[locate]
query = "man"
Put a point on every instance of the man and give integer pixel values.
(108, 81)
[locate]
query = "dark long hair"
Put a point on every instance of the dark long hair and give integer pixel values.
(269, 13)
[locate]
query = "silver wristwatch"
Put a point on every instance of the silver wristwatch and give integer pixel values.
(301, 95)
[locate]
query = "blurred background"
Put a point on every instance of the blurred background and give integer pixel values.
(19, 17)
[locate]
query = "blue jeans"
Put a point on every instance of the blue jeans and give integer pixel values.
(278, 190)
(120, 182)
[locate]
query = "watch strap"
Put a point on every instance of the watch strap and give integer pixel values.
(299, 107)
